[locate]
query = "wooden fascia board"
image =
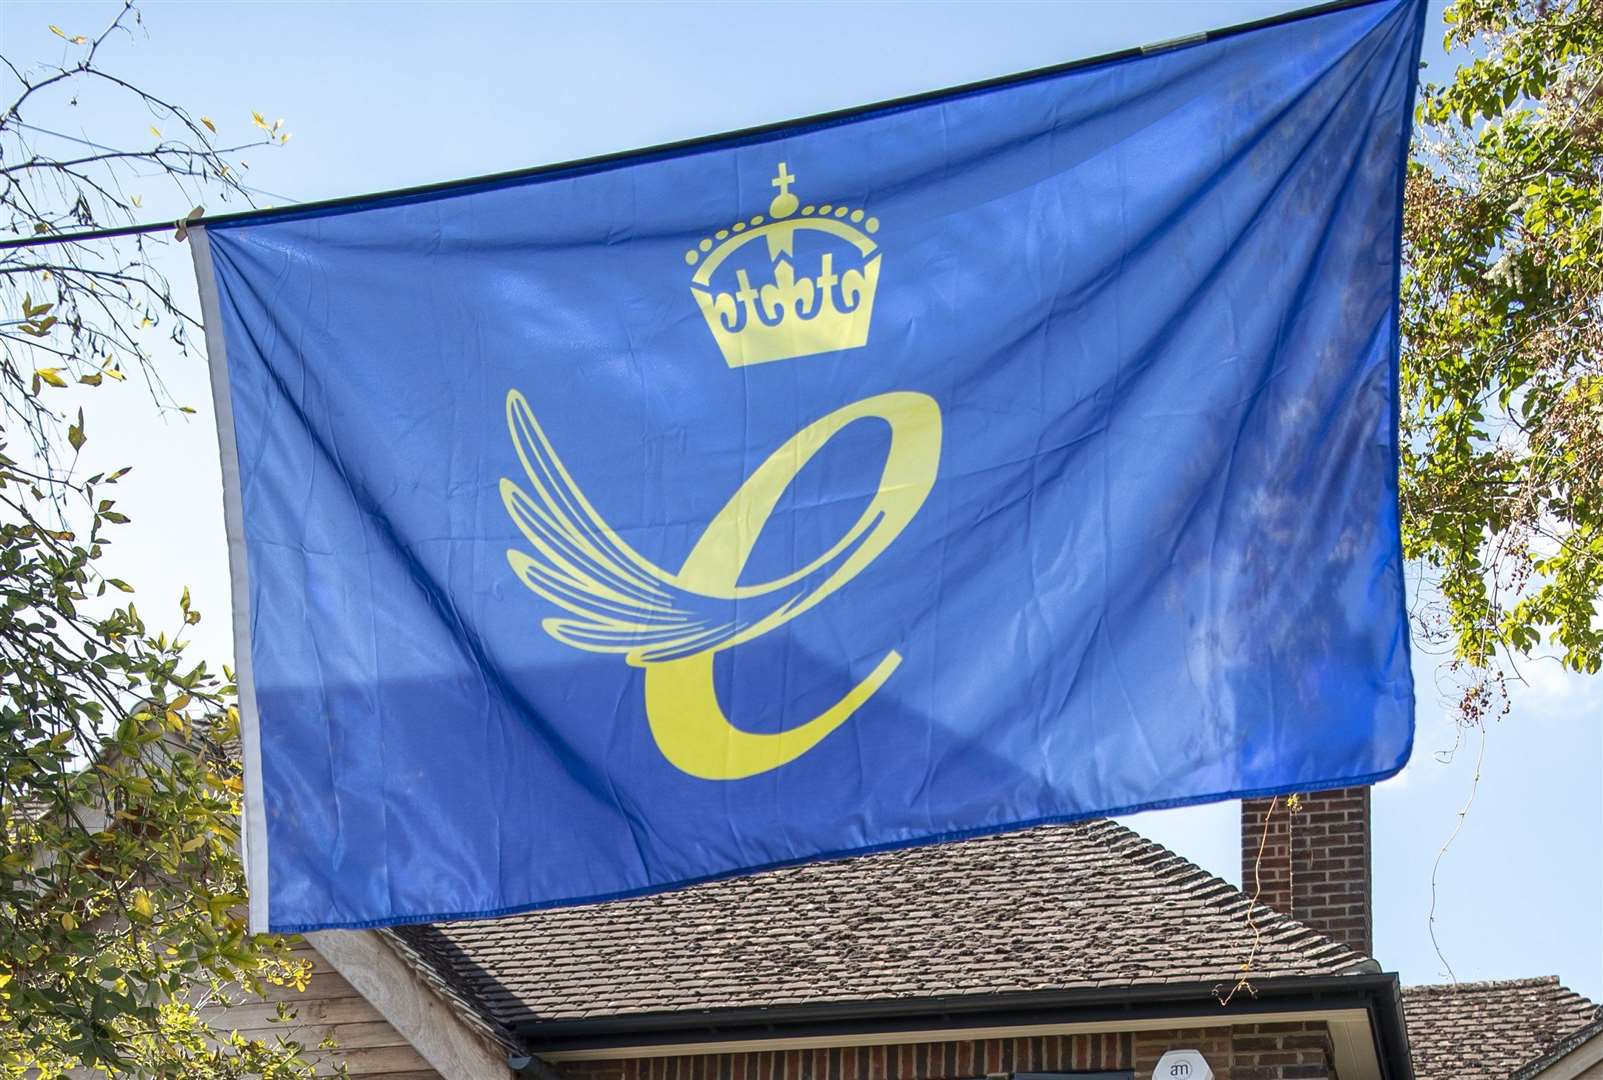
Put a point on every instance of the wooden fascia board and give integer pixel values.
(411, 1007)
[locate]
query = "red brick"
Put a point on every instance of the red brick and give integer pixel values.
(1315, 865)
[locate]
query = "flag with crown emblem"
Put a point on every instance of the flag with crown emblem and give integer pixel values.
(1015, 454)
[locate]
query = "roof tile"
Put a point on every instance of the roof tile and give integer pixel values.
(1471, 1031)
(1051, 908)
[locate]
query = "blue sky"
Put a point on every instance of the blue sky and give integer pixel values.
(380, 96)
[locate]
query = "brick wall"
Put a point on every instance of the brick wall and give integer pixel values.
(1292, 1051)
(1213, 1043)
(1281, 1052)
(1316, 862)
(916, 1061)
(1295, 1051)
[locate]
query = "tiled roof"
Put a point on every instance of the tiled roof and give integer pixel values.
(420, 948)
(1058, 907)
(1471, 1031)
(1566, 1046)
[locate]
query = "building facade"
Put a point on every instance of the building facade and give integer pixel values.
(1077, 949)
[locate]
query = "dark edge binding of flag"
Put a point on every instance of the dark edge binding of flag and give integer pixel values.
(721, 140)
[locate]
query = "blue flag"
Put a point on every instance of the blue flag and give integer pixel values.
(1020, 453)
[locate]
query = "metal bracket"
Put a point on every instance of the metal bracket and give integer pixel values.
(1174, 43)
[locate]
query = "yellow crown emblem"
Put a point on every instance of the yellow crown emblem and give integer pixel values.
(789, 316)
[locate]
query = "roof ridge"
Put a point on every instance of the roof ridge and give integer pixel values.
(1474, 986)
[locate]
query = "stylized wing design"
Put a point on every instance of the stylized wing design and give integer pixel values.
(623, 602)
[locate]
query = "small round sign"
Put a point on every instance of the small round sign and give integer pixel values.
(1182, 1065)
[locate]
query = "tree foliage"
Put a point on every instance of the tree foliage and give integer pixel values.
(1503, 334)
(120, 886)
(119, 883)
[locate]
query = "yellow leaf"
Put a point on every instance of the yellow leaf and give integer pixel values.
(142, 904)
(155, 132)
(137, 200)
(67, 919)
(58, 31)
(211, 127)
(51, 375)
(259, 120)
(146, 321)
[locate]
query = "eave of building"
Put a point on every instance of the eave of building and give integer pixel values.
(1364, 1012)
(370, 962)
(1576, 1056)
